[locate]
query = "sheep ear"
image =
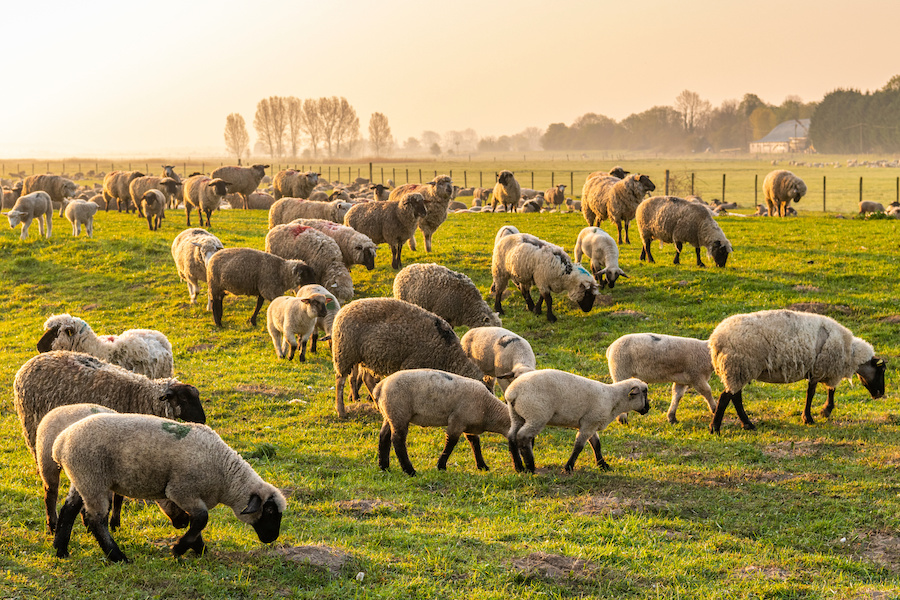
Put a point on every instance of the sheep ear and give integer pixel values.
(253, 506)
(880, 362)
(69, 331)
(635, 391)
(305, 300)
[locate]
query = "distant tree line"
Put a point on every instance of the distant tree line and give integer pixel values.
(849, 121)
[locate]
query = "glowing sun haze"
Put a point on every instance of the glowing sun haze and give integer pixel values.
(159, 78)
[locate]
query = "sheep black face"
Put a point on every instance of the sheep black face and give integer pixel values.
(219, 185)
(45, 344)
(185, 402)
(304, 274)
(504, 177)
(638, 391)
(646, 183)
(871, 374)
(268, 524)
(719, 253)
(368, 257)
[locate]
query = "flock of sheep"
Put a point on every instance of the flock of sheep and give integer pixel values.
(104, 407)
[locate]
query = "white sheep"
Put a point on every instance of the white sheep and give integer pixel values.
(556, 196)
(58, 187)
(290, 183)
(392, 222)
(779, 188)
(78, 213)
(505, 231)
(784, 346)
(868, 206)
(507, 192)
(191, 250)
(436, 195)
(551, 397)
(356, 248)
(36, 205)
(241, 180)
(292, 320)
(609, 197)
(117, 186)
(144, 351)
(299, 242)
(675, 220)
(286, 210)
(499, 353)
(324, 324)
(204, 194)
(603, 253)
(147, 457)
(658, 358)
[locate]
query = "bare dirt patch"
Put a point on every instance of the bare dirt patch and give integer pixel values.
(792, 449)
(771, 573)
(628, 313)
(554, 566)
(200, 348)
(882, 549)
(820, 308)
(365, 508)
(806, 288)
(604, 300)
(322, 557)
(892, 319)
(615, 506)
(265, 390)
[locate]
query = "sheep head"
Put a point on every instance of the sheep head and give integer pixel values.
(265, 517)
(607, 277)
(185, 402)
(219, 185)
(871, 374)
(417, 202)
(505, 177)
(719, 252)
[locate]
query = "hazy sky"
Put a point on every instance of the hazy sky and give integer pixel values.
(148, 78)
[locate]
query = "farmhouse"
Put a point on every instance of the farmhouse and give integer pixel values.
(790, 136)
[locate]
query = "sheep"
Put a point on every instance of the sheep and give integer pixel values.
(292, 320)
(433, 398)
(499, 353)
(505, 231)
(318, 196)
(437, 195)
(386, 335)
(893, 211)
(779, 188)
(319, 251)
(36, 205)
(260, 201)
(556, 196)
(289, 183)
(533, 205)
(59, 188)
(191, 251)
(288, 209)
(144, 351)
(675, 220)
(204, 194)
(381, 193)
(446, 293)
(10, 196)
(761, 211)
(78, 213)
(139, 186)
(60, 377)
(658, 358)
(117, 186)
(392, 222)
(530, 261)
(153, 206)
(148, 457)
(339, 194)
(506, 192)
(868, 206)
(784, 346)
(241, 180)
(608, 197)
(551, 397)
(603, 253)
(250, 272)
(325, 323)
(356, 248)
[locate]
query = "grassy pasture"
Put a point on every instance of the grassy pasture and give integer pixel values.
(787, 511)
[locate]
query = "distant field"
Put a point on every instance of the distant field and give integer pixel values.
(787, 511)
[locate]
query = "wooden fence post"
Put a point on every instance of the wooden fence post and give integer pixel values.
(571, 182)
(480, 179)
(420, 175)
(552, 178)
(667, 182)
(692, 184)
(823, 193)
(465, 179)
(756, 190)
(723, 188)
(532, 180)
(860, 188)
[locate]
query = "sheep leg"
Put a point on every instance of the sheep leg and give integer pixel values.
(678, 390)
(716, 423)
(498, 285)
(217, 310)
(412, 242)
(384, 446)
(645, 253)
(580, 440)
(396, 249)
(193, 538)
(427, 236)
(293, 350)
(302, 357)
(259, 303)
(525, 443)
(627, 223)
(449, 444)
(475, 442)
(619, 227)
(178, 517)
(526, 293)
(678, 247)
(702, 386)
(115, 517)
(550, 316)
(829, 404)
(208, 213)
(739, 407)
(512, 436)
(398, 439)
(699, 261)
(70, 509)
(187, 213)
(312, 345)
(339, 395)
(355, 383)
(96, 524)
(810, 393)
(598, 455)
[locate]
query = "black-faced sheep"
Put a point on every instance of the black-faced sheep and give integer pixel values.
(392, 222)
(603, 253)
(116, 186)
(36, 205)
(507, 192)
(446, 293)
(241, 180)
(204, 194)
(191, 250)
(608, 197)
(675, 220)
(299, 242)
(290, 183)
(779, 188)
(436, 195)
(153, 207)
(141, 185)
(10, 196)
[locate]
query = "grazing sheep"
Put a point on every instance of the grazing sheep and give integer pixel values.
(249, 272)
(499, 353)
(144, 351)
(141, 185)
(505, 231)
(506, 192)
(169, 171)
(78, 213)
(779, 188)
(603, 253)
(288, 209)
(446, 293)
(318, 196)
(867, 206)
(356, 248)
(392, 222)
(529, 261)
(319, 251)
(326, 323)
(204, 194)
(241, 180)
(551, 397)
(10, 196)
(658, 358)
(153, 206)
(59, 188)
(675, 220)
(608, 197)
(436, 194)
(191, 251)
(147, 457)
(60, 377)
(289, 183)
(117, 186)
(260, 201)
(386, 335)
(381, 193)
(433, 398)
(292, 320)
(556, 196)
(783, 346)
(27, 208)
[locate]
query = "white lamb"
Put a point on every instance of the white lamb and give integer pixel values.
(36, 205)
(603, 253)
(499, 353)
(291, 321)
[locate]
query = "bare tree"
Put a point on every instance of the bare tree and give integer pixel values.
(339, 123)
(293, 113)
(311, 123)
(237, 140)
(269, 123)
(694, 111)
(328, 109)
(380, 134)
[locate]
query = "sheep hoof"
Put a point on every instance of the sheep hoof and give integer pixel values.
(117, 556)
(604, 466)
(749, 426)
(672, 419)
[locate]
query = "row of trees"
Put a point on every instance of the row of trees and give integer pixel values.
(850, 121)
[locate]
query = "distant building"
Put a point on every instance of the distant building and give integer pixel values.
(790, 136)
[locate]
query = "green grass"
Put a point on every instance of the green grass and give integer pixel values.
(787, 511)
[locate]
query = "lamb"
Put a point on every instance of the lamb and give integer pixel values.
(505, 231)
(78, 213)
(779, 188)
(437, 195)
(294, 184)
(319, 251)
(241, 180)
(482, 195)
(204, 194)
(292, 320)
(139, 186)
(603, 253)
(658, 358)
(868, 206)
(356, 248)
(191, 251)
(59, 377)
(433, 398)
(392, 222)
(556, 196)
(117, 186)
(551, 397)
(288, 209)
(153, 206)
(147, 457)
(144, 351)
(675, 220)
(249, 272)
(784, 346)
(381, 193)
(533, 205)
(446, 293)
(59, 188)
(325, 323)
(386, 335)
(506, 192)
(499, 353)
(36, 205)
(608, 197)
(529, 261)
